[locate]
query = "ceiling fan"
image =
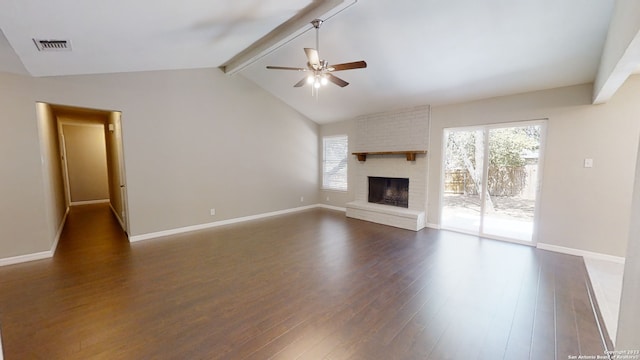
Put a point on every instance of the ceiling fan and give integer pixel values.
(320, 72)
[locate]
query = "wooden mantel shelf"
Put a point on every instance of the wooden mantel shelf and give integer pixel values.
(410, 154)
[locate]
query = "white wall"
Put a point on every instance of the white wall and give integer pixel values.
(55, 201)
(580, 208)
(628, 333)
(23, 225)
(116, 174)
(620, 54)
(193, 140)
(198, 139)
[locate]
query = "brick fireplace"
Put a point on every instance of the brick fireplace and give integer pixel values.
(386, 137)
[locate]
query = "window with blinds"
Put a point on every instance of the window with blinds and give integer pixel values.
(335, 150)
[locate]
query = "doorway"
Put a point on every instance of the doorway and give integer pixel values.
(58, 126)
(84, 155)
(491, 178)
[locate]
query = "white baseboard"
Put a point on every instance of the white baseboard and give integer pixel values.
(185, 229)
(48, 254)
(331, 207)
(89, 202)
(117, 215)
(39, 255)
(432, 226)
(578, 252)
(25, 258)
(56, 239)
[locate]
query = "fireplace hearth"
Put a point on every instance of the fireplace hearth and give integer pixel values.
(389, 191)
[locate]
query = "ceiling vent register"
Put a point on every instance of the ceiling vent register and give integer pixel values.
(52, 45)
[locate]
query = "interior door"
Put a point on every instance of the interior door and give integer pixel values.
(117, 122)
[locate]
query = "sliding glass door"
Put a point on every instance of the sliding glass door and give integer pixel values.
(490, 183)
(463, 183)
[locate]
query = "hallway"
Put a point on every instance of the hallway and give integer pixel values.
(44, 299)
(91, 231)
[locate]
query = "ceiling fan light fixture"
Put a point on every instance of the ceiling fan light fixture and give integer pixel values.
(319, 69)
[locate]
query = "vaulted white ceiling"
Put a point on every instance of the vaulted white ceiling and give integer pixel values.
(418, 52)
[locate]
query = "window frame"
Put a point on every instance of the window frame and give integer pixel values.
(324, 185)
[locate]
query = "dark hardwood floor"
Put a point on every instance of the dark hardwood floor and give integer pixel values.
(310, 285)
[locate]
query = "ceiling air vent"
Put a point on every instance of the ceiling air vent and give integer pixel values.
(52, 45)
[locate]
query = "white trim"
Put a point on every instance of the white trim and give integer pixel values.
(89, 202)
(54, 246)
(387, 215)
(583, 253)
(113, 210)
(331, 207)
(595, 315)
(489, 236)
(337, 137)
(185, 229)
(82, 122)
(62, 150)
(25, 258)
(1, 356)
(432, 226)
(48, 254)
(506, 239)
(39, 255)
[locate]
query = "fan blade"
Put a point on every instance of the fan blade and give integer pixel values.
(349, 66)
(301, 82)
(285, 68)
(314, 59)
(336, 80)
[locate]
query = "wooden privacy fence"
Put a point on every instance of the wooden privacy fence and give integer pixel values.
(505, 181)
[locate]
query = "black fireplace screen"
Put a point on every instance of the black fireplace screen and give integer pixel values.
(389, 191)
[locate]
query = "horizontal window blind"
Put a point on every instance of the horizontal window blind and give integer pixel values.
(334, 162)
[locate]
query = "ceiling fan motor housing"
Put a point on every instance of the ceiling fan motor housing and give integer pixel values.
(316, 23)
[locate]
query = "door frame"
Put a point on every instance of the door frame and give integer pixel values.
(64, 154)
(65, 168)
(123, 175)
(542, 122)
(123, 219)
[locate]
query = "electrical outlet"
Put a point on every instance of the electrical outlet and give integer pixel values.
(588, 163)
(327, 198)
(301, 198)
(213, 212)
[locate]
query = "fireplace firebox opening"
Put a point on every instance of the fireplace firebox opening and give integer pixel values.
(389, 191)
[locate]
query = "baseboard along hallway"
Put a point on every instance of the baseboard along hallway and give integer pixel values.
(306, 285)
